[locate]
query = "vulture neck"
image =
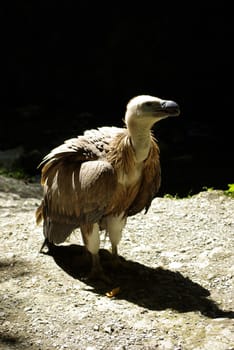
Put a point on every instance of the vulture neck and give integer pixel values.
(140, 136)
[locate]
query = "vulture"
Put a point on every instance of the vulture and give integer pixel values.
(96, 180)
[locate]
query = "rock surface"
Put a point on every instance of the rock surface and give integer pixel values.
(175, 283)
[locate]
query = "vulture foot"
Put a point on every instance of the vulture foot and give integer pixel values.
(99, 275)
(97, 272)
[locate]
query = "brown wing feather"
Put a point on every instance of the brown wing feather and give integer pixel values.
(76, 194)
(78, 185)
(78, 190)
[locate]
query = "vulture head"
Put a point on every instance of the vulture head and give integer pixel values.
(144, 111)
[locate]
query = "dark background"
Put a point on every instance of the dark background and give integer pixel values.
(69, 66)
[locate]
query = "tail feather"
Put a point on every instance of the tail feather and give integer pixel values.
(54, 231)
(57, 232)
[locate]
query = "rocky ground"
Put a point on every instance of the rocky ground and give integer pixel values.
(175, 288)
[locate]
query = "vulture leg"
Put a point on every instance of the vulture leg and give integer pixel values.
(91, 238)
(115, 225)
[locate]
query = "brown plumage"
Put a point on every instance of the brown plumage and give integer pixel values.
(97, 180)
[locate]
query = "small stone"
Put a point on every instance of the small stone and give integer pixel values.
(108, 329)
(28, 308)
(175, 265)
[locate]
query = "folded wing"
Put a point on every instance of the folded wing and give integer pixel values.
(78, 186)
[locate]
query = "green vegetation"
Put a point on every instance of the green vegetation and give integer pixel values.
(171, 196)
(18, 174)
(230, 190)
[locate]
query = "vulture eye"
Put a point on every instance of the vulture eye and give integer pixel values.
(149, 104)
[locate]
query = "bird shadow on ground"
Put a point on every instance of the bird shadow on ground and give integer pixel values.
(8, 341)
(151, 288)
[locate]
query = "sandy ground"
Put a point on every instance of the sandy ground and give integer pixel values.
(175, 287)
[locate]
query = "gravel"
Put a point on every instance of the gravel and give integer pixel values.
(174, 289)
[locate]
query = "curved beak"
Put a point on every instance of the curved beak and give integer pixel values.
(171, 108)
